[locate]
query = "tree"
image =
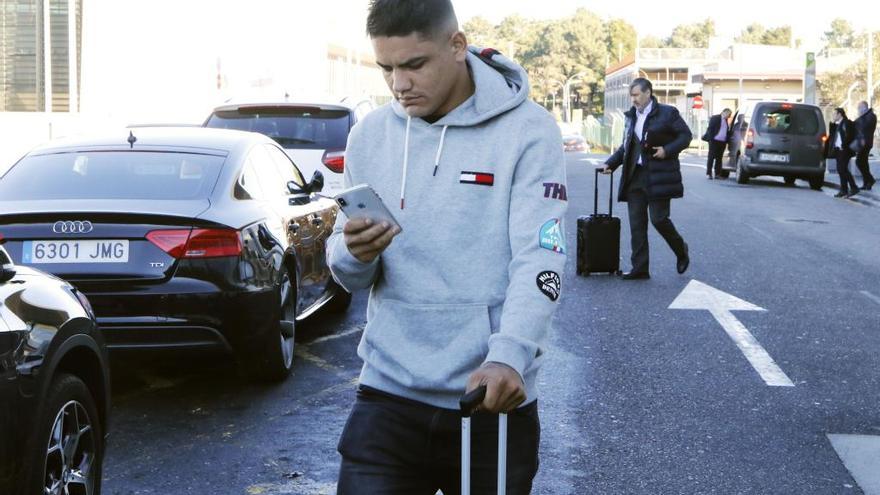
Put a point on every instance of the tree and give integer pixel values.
(757, 34)
(694, 35)
(652, 42)
(480, 32)
(620, 39)
(841, 35)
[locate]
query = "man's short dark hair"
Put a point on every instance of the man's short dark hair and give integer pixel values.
(428, 18)
(643, 84)
(726, 110)
(841, 111)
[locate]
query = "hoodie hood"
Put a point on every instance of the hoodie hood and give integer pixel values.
(500, 86)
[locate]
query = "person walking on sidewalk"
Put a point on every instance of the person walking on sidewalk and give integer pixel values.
(841, 138)
(866, 125)
(463, 295)
(654, 135)
(717, 135)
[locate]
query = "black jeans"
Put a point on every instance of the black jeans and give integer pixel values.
(641, 210)
(864, 168)
(391, 445)
(716, 156)
(847, 182)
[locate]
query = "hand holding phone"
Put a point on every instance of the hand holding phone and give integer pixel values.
(371, 227)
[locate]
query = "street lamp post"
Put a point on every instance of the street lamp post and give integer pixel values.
(566, 96)
(870, 67)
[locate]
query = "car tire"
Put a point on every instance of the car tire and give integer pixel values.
(272, 358)
(742, 176)
(816, 183)
(69, 411)
(789, 181)
(340, 301)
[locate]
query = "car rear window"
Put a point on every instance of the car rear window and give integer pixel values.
(290, 127)
(787, 120)
(112, 175)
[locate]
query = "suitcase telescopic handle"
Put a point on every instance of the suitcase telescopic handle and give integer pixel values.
(596, 192)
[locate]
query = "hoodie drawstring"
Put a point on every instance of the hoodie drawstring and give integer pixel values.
(406, 159)
(405, 163)
(440, 149)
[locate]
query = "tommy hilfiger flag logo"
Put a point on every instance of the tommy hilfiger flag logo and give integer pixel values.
(478, 178)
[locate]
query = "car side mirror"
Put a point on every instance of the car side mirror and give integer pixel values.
(316, 185)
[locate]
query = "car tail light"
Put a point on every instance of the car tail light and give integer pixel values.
(172, 242)
(334, 160)
(786, 106)
(197, 243)
(750, 139)
(823, 138)
(213, 243)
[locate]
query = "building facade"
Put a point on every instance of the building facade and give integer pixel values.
(40, 55)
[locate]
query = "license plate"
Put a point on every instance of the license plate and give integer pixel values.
(773, 157)
(85, 251)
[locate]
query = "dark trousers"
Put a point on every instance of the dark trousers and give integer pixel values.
(864, 168)
(640, 211)
(395, 446)
(716, 156)
(847, 182)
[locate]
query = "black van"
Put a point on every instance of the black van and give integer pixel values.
(783, 139)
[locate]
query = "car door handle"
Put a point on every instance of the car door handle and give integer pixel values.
(293, 227)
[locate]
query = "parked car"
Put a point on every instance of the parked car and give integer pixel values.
(785, 140)
(180, 237)
(313, 133)
(576, 143)
(54, 386)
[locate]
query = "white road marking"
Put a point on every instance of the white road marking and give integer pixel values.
(860, 454)
(337, 335)
(698, 295)
(871, 296)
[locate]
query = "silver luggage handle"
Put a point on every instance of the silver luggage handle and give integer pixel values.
(469, 404)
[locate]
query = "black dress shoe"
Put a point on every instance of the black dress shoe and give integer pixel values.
(853, 193)
(683, 261)
(869, 185)
(840, 195)
(636, 276)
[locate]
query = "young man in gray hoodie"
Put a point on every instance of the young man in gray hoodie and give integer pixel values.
(465, 293)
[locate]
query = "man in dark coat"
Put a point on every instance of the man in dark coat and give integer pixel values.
(866, 125)
(653, 137)
(841, 136)
(718, 136)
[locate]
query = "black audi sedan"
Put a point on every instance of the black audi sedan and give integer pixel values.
(54, 386)
(180, 237)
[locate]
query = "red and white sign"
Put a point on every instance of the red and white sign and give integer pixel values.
(698, 102)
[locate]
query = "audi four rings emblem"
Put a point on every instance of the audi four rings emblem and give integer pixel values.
(72, 227)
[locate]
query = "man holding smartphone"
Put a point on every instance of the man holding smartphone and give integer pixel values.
(465, 295)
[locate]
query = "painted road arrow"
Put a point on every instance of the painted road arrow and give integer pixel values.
(698, 295)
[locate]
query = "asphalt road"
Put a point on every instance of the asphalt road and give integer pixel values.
(637, 398)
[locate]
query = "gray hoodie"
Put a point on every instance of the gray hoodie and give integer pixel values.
(475, 274)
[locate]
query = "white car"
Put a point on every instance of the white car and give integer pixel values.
(313, 133)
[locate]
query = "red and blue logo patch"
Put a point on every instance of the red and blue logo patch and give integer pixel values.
(478, 178)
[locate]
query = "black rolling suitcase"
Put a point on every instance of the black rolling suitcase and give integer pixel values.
(598, 237)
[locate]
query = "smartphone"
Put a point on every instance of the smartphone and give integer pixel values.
(361, 201)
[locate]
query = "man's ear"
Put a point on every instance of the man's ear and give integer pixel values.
(459, 45)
